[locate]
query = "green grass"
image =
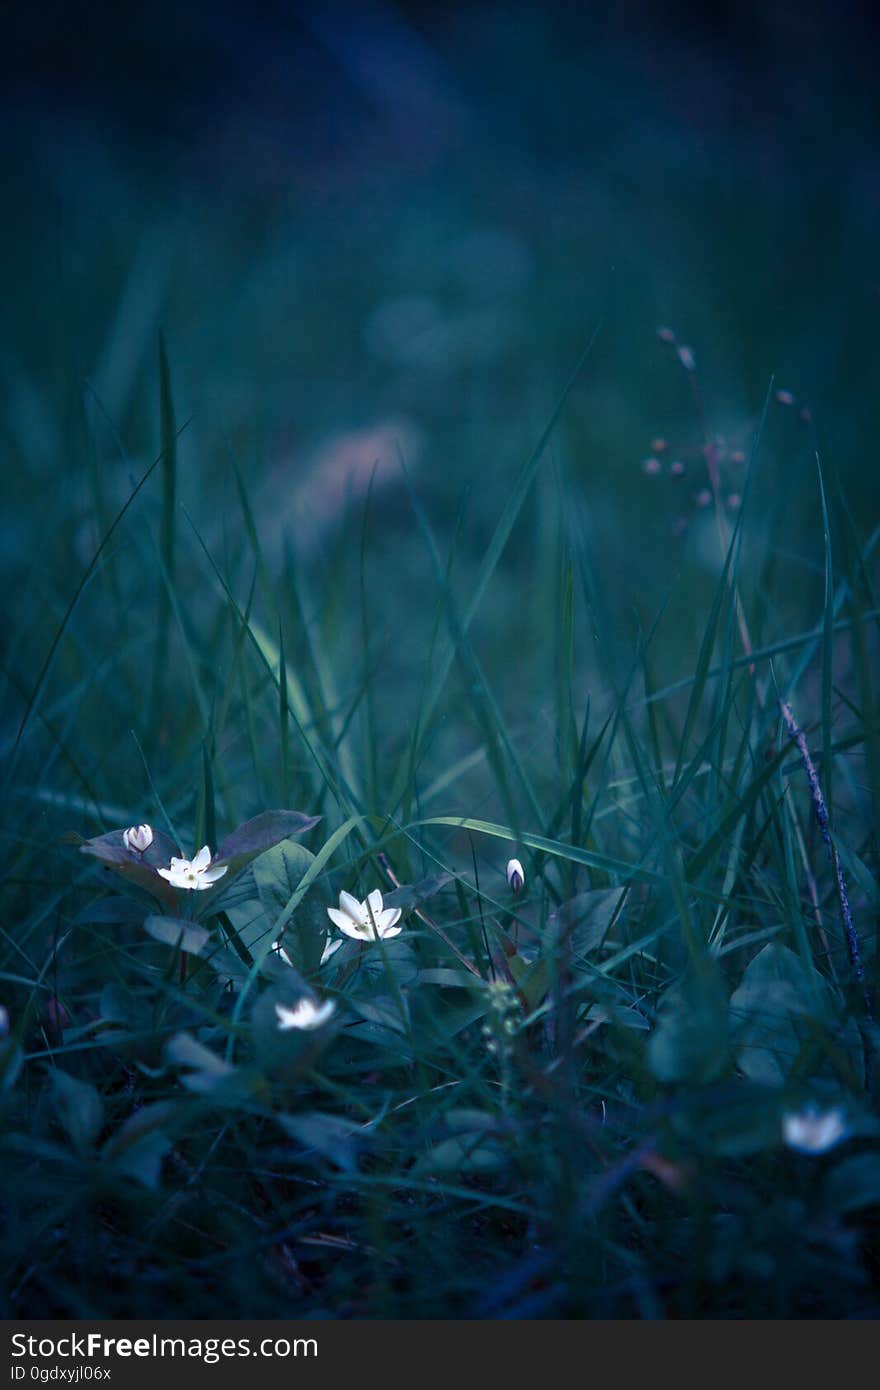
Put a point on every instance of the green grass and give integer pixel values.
(324, 448)
(567, 1103)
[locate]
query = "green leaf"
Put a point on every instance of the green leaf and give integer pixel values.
(172, 931)
(582, 923)
(691, 1041)
(139, 1145)
(113, 910)
(383, 1013)
(259, 834)
(11, 1062)
(118, 1005)
(79, 1108)
(204, 1071)
(780, 1005)
(532, 979)
(472, 1145)
(274, 880)
(446, 977)
(442, 1014)
(741, 1121)
(330, 1136)
(278, 873)
(854, 1184)
(395, 956)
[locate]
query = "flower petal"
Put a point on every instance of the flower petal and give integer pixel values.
(387, 919)
(374, 903)
(327, 1010)
(351, 905)
(202, 859)
(353, 929)
(210, 876)
(340, 919)
(389, 932)
(289, 1018)
(170, 874)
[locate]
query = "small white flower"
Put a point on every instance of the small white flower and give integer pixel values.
(515, 876)
(193, 873)
(330, 949)
(305, 1015)
(280, 951)
(813, 1131)
(138, 838)
(367, 920)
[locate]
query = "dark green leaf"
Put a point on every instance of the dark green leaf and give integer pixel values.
(172, 931)
(79, 1109)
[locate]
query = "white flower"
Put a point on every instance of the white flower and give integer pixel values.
(515, 876)
(305, 1015)
(330, 949)
(280, 951)
(138, 838)
(193, 873)
(812, 1131)
(367, 920)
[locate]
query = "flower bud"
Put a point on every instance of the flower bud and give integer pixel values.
(687, 359)
(515, 876)
(138, 838)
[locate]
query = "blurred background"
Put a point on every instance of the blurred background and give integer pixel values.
(380, 233)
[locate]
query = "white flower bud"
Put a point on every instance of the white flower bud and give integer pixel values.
(138, 838)
(515, 876)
